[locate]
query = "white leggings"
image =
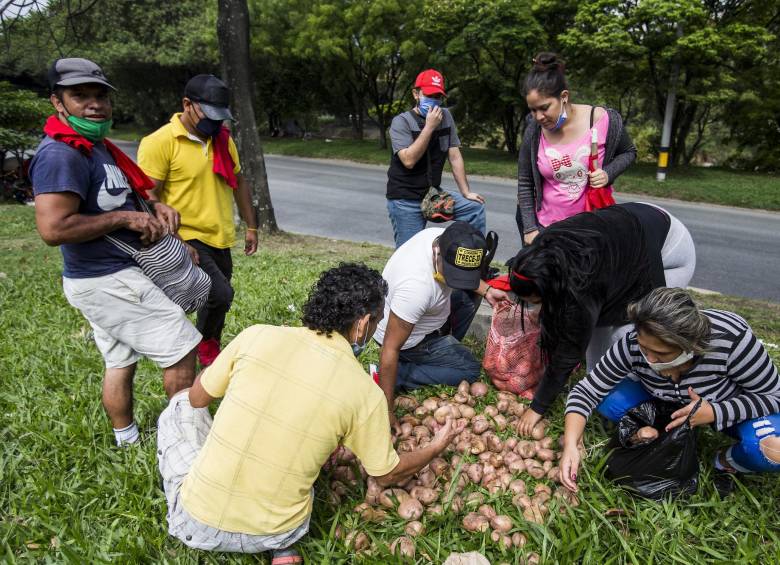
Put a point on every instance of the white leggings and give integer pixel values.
(678, 256)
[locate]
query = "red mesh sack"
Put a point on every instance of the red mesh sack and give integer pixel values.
(513, 359)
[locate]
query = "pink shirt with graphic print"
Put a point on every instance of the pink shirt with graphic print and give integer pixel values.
(564, 170)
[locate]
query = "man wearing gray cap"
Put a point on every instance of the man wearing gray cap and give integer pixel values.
(83, 187)
(194, 164)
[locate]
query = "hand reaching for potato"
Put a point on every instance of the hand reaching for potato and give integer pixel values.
(448, 432)
(528, 421)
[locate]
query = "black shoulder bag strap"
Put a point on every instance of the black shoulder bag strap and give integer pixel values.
(592, 110)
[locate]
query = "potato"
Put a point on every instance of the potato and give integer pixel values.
(546, 442)
(456, 504)
(490, 411)
(463, 446)
(460, 398)
(516, 465)
(390, 497)
(517, 409)
(430, 404)
(518, 539)
(407, 403)
(333, 498)
(493, 487)
(477, 445)
(414, 528)
(502, 405)
(533, 514)
(486, 511)
(421, 432)
(484, 457)
(344, 474)
(554, 474)
(474, 522)
(499, 420)
(426, 478)
(421, 411)
(475, 499)
(545, 454)
(517, 486)
(510, 444)
(494, 443)
(525, 449)
(533, 559)
(536, 472)
(521, 501)
(547, 465)
(439, 466)
(430, 423)
(402, 546)
(504, 478)
(434, 510)
(410, 509)
(501, 523)
(479, 425)
(464, 387)
(442, 414)
(357, 541)
(406, 430)
(496, 460)
(474, 472)
(478, 389)
(488, 469)
(338, 487)
(467, 412)
(501, 539)
(425, 495)
(538, 431)
(406, 445)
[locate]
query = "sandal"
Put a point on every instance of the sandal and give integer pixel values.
(286, 556)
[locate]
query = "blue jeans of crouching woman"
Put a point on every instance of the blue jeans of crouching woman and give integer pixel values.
(745, 455)
(407, 219)
(442, 359)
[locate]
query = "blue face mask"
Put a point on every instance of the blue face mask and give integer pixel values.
(425, 104)
(358, 348)
(561, 118)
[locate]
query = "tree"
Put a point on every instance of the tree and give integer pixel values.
(370, 46)
(233, 33)
(631, 46)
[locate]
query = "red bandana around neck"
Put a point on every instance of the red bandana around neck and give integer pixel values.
(223, 160)
(138, 180)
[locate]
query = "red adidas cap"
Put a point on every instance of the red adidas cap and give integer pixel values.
(431, 82)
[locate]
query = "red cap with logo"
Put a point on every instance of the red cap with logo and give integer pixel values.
(430, 81)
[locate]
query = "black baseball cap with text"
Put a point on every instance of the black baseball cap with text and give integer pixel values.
(463, 249)
(211, 94)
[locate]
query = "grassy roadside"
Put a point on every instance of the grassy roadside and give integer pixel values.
(67, 495)
(694, 184)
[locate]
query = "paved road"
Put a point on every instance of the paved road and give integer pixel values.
(738, 251)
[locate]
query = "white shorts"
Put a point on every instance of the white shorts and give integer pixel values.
(132, 318)
(181, 433)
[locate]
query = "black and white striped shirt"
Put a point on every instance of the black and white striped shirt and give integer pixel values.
(736, 375)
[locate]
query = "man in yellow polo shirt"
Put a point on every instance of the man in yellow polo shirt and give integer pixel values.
(292, 395)
(194, 164)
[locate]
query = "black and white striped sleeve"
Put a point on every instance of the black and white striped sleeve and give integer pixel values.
(751, 369)
(613, 367)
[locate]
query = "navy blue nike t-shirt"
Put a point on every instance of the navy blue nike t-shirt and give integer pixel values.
(102, 187)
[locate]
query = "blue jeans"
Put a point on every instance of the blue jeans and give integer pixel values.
(407, 219)
(442, 359)
(745, 455)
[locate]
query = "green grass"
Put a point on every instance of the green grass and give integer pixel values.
(67, 495)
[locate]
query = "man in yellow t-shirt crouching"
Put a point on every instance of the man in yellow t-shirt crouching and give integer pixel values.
(292, 395)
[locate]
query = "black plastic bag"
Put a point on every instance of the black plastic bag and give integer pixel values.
(666, 466)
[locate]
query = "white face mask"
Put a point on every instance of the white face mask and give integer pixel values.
(681, 359)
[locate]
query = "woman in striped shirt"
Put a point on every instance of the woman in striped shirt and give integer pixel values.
(678, 354)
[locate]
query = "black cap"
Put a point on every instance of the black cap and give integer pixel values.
(75, 70)
(463, 249)
(211, 94)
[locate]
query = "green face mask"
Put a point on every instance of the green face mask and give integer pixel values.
(94, 131)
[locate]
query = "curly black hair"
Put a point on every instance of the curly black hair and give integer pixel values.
(342, 295)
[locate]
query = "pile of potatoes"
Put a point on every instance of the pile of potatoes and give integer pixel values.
(477, 457)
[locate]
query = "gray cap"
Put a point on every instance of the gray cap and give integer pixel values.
(75, 70)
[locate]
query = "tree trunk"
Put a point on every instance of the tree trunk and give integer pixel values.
(233, 38)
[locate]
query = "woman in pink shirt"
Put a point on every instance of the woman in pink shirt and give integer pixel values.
(553, 172)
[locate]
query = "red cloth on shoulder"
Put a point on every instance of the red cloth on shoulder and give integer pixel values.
(223, 161)
(138, 180)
